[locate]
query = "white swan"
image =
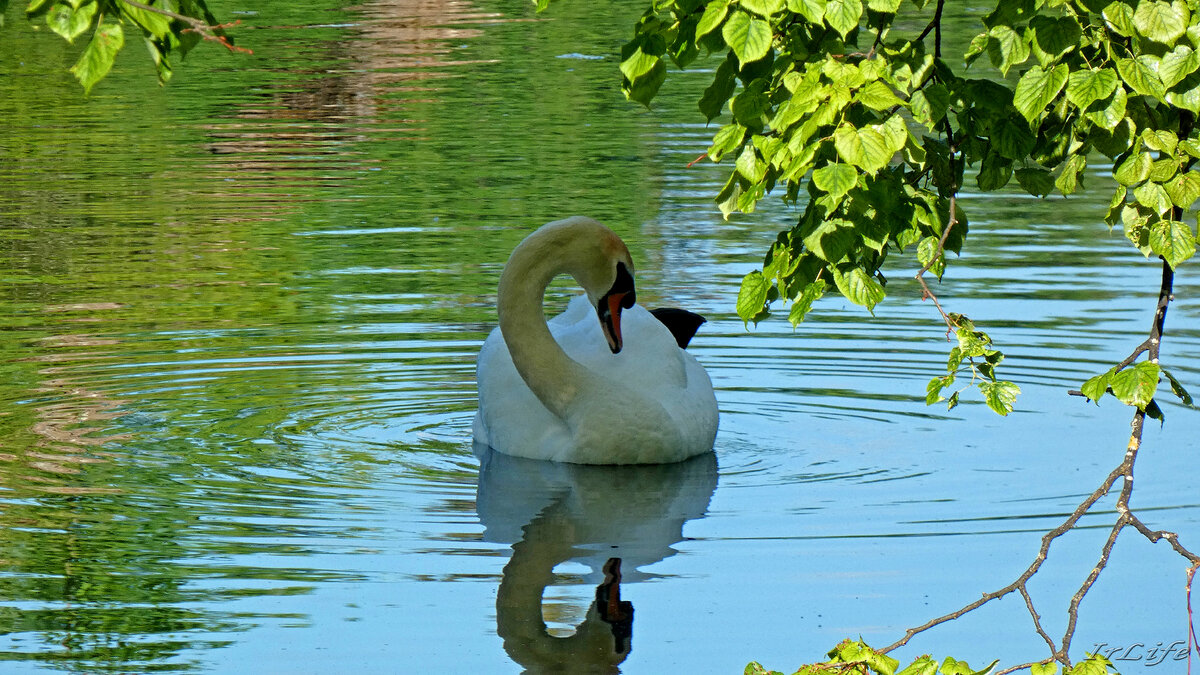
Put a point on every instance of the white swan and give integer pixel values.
(598, 385)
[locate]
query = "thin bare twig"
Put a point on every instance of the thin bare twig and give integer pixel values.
(1125, 517)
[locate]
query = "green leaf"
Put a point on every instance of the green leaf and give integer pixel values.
(803, 303)
(727, 138)
(1086, 86)
(638, 63)
(1012, 139)
(924, 665)
(1183, 189)
(750, 165)
(1141, 74)
(1068, 178)
(843, 15)
(1036, 182)
(1119, 16)
(831, 240)
(1177, 64)
(152, 22)
(749, 37)
(864, 148)
(712, 103)
(994, 172)
(1000, 396)
(930, 104)
(927, 249)
(1007, 48)
(1095, 387)
(70, 22)
(1153, 197)
(1177, 388)
(1173, 240)
(1112, 114)
(1037, 88)
(752, 296)
(643, 89)
(763, 8)
(1163, 22)
(813, 10)
(1055, 36)
(97, 57)
(859, 287)
(713, 15)
(835, 179)
(877, 96)
(1186, 93)
(1135, 169)
(1136, 385)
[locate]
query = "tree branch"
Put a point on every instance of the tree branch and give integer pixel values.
(201, 28)
(1125, 516)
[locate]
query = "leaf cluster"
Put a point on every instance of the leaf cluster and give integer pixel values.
(104, 22)
(841, 106)
(853, 657)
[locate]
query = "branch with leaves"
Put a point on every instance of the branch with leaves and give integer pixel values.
(167, 26)
(871, 130)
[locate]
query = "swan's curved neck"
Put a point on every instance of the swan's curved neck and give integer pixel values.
(551, 375)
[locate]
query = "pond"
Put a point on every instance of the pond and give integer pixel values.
(238, 326)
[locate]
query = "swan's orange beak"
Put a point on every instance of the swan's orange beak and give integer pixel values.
(610, 319)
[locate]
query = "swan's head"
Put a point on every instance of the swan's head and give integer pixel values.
(606, 274)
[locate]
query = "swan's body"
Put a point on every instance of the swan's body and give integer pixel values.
(596, 385)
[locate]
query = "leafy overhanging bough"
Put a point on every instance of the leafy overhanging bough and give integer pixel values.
(166, 26)
(834, 99)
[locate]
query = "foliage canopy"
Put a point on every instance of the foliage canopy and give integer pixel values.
(845, 108)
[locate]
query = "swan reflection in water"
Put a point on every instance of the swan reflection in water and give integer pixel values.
(613, 519)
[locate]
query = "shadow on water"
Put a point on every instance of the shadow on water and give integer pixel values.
(615, 520)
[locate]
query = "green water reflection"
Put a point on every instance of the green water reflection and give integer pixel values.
(238, 316)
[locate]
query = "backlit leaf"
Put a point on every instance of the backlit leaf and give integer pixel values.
(1177, 64)
(1037, 88)
(71, 22)
(859, 287)
(1141, 74)
(843, 15)
(752, 295)
(763, 8)
(803, 303)
(1163, 22)
(864, 148)
(1007, 48)
(1086, 86)
(813, 10)
(713, 15)
(835, 179)
(749, 37)
(97, 57)
(1173, 240)
(1136, 384)
(1000, 396)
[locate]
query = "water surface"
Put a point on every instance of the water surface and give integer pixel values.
(238, 322)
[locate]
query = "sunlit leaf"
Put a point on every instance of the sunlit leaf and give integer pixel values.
(752, 295)
(749, 37)
(97, 57)
(859, 287)
(70, 22)
(835, 179)
(843, 15)
(1163, 22)
(864, 148)
(713, 15)
(1086, 86)
(1136, 384)
(803, 303)
(1173, 240)
(1037, 88)
(1141, 74)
